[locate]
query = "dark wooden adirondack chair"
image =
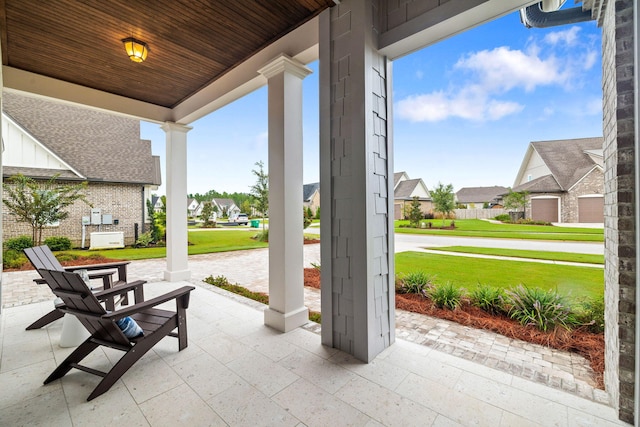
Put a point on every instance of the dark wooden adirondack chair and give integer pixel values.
(81, 302)
(41, 257)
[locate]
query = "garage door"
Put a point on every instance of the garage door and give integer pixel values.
(591, 209)
(544, 210)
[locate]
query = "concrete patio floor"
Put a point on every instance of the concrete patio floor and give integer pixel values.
(236, 371)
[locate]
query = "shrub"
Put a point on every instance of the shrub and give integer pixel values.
(262, 236)
(545, 310)
(144, 240)
(66, 257)
(446, 295)
(18, 243)
(58, 243)
(314, 316)
(488, 298)
(13, 259)
(222, 283)
(415, 282)
(590, 312)
(503, 218)
(316, 265)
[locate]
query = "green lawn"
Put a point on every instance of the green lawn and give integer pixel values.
(519, 253)
(201, 242)
(469, 272)
(479, 228)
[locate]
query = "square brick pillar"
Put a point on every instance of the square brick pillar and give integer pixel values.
(356, 182)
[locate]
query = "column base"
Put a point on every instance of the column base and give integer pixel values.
(177, 276)
(286, 322)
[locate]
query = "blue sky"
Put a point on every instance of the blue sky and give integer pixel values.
(465, 110)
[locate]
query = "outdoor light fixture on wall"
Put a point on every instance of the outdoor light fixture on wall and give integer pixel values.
(136, 49)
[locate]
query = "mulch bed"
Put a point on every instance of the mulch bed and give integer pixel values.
(580, 340)
(80, 261)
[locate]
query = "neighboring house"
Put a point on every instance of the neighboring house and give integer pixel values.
(564, 179)
(192, 206)
(44, 138)
(156, 201)
(405, 190)
(311, 196)
(478, 197)
(226, 207)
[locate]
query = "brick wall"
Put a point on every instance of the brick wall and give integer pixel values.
(123, 201)
(620, 245)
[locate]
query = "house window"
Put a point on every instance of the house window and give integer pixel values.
(50, 195)
(529, 178)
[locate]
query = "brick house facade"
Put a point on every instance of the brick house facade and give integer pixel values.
(44, 138)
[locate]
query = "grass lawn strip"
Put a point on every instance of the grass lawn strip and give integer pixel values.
(479, 228)
(470, 272)
(521, 253)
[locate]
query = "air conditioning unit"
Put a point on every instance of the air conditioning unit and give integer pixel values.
(106, 240)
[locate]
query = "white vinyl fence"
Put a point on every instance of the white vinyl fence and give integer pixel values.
(478, 213)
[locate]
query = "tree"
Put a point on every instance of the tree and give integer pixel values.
(443, 199)
(516, 201)
(208, 211)
(260, 191)
(414, 212)
(318, 213)
(41, 204)
(306, 218)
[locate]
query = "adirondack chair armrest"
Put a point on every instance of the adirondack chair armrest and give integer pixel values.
(181, 296)
(122, 288)
(103, 266)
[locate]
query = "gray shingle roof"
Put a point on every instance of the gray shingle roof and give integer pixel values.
(308, 190)
(480, 194)
(567, 159)
(405, 188)
(544, 184)
(101, 146)
(396, 178)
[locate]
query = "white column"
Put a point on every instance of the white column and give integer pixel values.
(177, 238)
(286, 259)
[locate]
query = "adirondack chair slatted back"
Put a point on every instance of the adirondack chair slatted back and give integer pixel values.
(77, 296)
(41, 257)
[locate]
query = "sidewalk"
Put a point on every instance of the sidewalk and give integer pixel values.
(562, 370)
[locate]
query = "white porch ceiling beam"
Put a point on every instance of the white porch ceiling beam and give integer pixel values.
(301, 44)
(445, 21)
(36, 84)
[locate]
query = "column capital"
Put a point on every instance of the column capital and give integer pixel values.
(284, 63)
(175, 127)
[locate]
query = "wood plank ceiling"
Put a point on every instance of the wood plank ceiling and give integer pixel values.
(192, 42)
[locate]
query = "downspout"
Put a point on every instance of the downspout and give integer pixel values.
(539, 15)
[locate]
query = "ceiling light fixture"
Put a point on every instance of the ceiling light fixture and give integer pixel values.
(136, 49)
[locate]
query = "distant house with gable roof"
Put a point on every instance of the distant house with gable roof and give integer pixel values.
(405, 190)
(311, 196)
(564, 179)
(479, 197)
(43, 138)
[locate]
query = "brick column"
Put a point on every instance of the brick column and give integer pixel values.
(177, 236)
(356, 182)
(619, 199)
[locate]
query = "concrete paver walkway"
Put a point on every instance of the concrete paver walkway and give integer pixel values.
(554, 368)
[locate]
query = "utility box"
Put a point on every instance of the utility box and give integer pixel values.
(96, 216)
(86, 220)
(107, 219)
(106, 240)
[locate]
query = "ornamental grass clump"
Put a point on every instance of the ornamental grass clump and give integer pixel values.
(546, 310)
(415, 282)
(446, 295)
(489, 299)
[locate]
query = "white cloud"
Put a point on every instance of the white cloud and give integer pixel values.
(502, 69)
(480, 79)
(568, 37)
(438, 106)
(419, 74)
